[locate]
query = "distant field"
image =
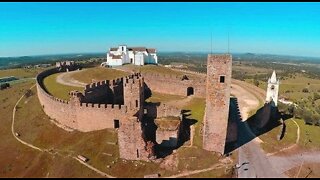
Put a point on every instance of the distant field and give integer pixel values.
(98, 74)
(58, 90)
(21, 73)
(251, 70)
(292, 87)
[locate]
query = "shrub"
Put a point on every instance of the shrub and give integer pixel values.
(305, 90)
(316, 96)
(256, 83)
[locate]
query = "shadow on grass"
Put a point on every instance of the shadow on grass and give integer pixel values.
(264, 120)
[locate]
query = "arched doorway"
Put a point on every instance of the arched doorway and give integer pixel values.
(190, 91)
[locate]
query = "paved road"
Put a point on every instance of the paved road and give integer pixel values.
(253, 161)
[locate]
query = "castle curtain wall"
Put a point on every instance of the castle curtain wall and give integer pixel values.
(82, 116)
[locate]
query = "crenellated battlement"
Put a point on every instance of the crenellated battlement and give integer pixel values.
(105, 106)
(114, 82)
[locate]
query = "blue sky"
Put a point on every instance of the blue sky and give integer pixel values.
(52, 28)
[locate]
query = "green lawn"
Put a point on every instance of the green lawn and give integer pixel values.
(98, 74)
(159, 97)
(309, 132)
(197, 107)
(58, 90)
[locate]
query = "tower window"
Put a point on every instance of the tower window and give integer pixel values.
(116, 123)
(190, 91)
(136, 103)
(222, 79)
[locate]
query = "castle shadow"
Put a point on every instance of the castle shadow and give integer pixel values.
(264, 120)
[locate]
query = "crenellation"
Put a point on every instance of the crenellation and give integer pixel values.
(117, 106)
(92, 85)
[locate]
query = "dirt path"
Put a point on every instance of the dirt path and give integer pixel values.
(298, 132)
(66, 79)
(188, 173)
(259, 93)
(50, 151)
(12, 125)
(246, 101)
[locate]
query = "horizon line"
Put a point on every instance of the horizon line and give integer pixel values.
(167, 51)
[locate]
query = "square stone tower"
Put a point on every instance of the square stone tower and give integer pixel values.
(217, 102)
(132, 145)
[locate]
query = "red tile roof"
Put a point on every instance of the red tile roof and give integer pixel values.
(152, 50)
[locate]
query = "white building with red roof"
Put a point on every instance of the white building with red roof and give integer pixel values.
(130, 55)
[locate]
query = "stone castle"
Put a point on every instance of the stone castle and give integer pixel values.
(120, 104)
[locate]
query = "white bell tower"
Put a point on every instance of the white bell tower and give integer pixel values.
(273, 89)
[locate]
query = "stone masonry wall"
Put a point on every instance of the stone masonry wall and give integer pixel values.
(217, 102)
(76, 115)
(162, 110)
(171, 84)
(167, 138)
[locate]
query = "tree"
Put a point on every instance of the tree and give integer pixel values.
(305, 90)
(256, 82)
(29, 93)
(316, 96)
(307, 117)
